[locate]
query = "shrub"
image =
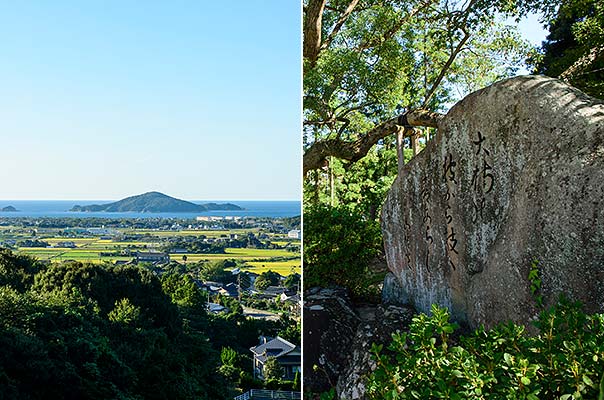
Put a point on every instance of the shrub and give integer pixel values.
(266, 279)
(566, 360)
(338, 247)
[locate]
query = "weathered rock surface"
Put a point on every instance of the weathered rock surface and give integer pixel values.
(338, 337)
(329, 327)
(378, 323)
(515, 174)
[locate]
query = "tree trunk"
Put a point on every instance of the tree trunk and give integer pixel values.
(414, 142)
(313, 20)
(400, 147)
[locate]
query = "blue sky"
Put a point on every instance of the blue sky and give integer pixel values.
(532, 30)
(197, 99)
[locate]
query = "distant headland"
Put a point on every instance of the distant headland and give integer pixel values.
(8, 209)
(155, 202)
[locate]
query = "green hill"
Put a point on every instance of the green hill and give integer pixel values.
(154, 202)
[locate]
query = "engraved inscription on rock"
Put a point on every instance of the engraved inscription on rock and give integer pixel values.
(515, 174)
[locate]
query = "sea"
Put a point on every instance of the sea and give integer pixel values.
(59, 209)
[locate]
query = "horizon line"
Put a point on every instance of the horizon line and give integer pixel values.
(216, 199)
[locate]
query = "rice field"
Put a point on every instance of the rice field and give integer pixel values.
(77, 241)
(90, 249)
(259, 252)
(281, 267)
(210, 233)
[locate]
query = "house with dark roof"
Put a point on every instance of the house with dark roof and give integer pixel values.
(152, 257)
(212, 287)
(65, 245)
(294, 303)
(271, 292)
(230, 290)
(289, 297)
(287, 354)
(215, 308)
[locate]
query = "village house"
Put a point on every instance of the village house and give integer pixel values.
(216, 308)
(294, 303)
(230, 290)
(66, 245)
(288, 355)
(289, 297)
(294, 234)
(272, 292)
(152, 257)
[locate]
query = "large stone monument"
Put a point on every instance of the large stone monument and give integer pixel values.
(514, 176)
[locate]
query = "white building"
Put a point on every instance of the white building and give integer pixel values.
(294, 234)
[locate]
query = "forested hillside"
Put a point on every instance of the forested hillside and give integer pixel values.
(75, 331)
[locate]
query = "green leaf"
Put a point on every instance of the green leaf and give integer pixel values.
(525, 381)
(457, 373)
(588, 381)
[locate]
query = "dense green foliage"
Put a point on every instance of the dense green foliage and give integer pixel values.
(361, 187)
(33, 243)
(565, 360)
(292, 281)
(75, 331)
(575, 41)
(266, 279)
(17, 271)
(194, 245)
(83, 331)
(272, 369)
(216, 271)
(389, 56)
(338, 247)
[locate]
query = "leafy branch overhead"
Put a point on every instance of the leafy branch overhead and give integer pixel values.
(314, 157)
(367, 63)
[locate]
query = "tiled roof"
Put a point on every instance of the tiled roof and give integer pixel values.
(276, 347)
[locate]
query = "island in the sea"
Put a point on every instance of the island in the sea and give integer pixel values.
(8, 209)
(155, 202)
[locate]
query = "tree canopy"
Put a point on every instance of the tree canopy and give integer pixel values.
(378, 74)
(368, 62)
(574, 48)
(84, 331)
(96, 331)
(373, 69)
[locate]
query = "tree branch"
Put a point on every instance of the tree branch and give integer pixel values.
(339, 24)
(315, 155)
(582, 64)
(313, 21)
(452, 56)
(445, 68)
(396, 27)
